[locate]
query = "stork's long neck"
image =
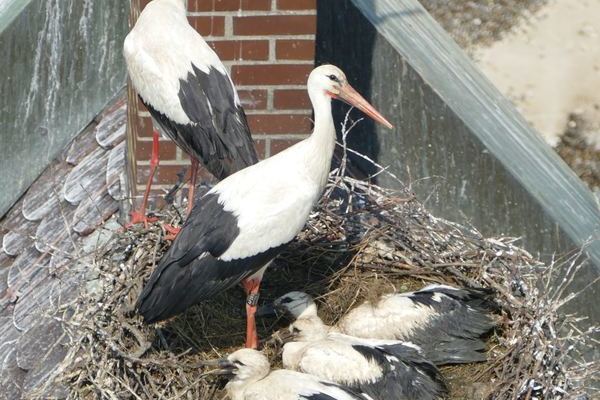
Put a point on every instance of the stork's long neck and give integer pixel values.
(322, 141)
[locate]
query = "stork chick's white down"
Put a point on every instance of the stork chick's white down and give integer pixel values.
(446, 322)
(252, 379)
(383, 369)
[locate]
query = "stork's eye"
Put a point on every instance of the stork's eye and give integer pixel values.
(333, 78)
(239, 363)
(286, 300)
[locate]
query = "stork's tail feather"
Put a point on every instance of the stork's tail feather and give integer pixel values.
(173, 287)
(458, 351)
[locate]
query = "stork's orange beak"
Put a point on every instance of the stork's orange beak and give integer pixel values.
(352, 97)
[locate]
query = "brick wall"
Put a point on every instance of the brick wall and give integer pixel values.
(268, 45)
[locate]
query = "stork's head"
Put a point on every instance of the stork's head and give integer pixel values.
(308, 329)
(330, 80)
(293, 305)
(243, 366)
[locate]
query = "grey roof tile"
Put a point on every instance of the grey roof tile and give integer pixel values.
(114, 169)
(39, 350)
(35, 299)
(18, 238)
(11, 376)
(92, 212)
(82, 146)
(25, 266)
(43, 197)
(40, 267)
(87, 178)
(111, 129)
(55, 228)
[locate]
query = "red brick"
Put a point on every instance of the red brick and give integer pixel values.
(260, 145)
(280, 74)
(141, 106)
(279, 124)
(296, 4)
(164, 173)
(277, 145)
(167, 150)
(209, 26)
(241, 49)
(291, 99)
(253, 99)
(229, 5)
(275, 25)
(295, 49)
(144, 127)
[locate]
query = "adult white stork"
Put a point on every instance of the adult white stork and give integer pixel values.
(382, 369)
(239, 226)
(188, 91)
(446, 322)
(252, 379)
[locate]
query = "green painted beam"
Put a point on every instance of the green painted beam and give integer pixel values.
(463, 147)
(61, 63)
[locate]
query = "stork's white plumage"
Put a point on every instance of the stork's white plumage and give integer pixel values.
(446, 322)
(239, 226)
(383, 369)
(252, 379)
(187, 90)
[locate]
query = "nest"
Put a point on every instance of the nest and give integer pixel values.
(361, 241)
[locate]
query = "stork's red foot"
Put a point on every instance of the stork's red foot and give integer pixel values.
(171, 231)
(251, 286)
(138, 217)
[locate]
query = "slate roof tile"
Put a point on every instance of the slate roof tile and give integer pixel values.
(111, 129)
(11, 376)
(88, 178)
(42, 242)
(43, 197)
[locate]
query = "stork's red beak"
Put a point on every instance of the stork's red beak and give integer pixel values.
(352, 97)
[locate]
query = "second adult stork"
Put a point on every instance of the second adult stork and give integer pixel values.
(240, 225)
(188, 91)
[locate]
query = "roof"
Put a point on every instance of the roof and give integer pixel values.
(45, 237)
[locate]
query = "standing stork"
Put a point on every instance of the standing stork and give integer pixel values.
(188, 91)
(241, 224)
(446, 322)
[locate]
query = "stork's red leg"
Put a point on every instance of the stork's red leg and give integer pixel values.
(170, 229)
(251, 286)
(140, 215)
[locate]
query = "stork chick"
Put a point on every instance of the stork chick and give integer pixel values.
(446, 322)
(381, 369)
(252, 379)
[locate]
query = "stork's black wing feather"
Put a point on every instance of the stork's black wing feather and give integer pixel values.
(218, 135)
(191, 271)
(454, 336)
(478, 298)
(406, 374)
(324, 396)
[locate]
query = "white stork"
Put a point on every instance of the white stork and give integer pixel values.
(446, 322)
(382, 369)
(188, 91)
(240, 225)
(251, 379)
